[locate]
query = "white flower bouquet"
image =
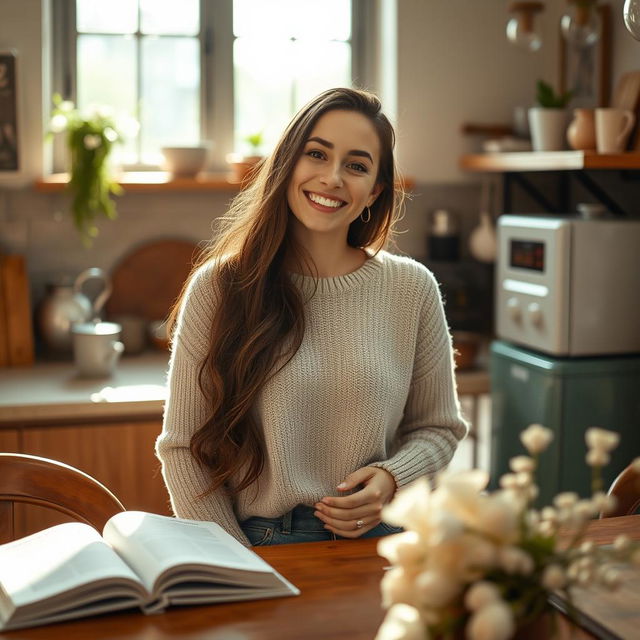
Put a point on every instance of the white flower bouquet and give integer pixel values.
(90, 139)
(481, 565)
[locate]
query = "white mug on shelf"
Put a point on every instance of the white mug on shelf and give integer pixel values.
(96, 348)
(612, 129)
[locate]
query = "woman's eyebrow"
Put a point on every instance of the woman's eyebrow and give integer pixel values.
(330, 145)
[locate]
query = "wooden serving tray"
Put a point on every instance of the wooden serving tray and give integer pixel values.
(147, 282)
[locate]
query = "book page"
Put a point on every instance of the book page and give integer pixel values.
(151, 544)
(56, 560)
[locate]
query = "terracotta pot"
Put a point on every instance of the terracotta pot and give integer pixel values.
(581, 134)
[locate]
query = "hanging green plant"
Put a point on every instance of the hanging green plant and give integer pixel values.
(90, 138)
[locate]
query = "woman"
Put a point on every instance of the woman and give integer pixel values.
(311, 372)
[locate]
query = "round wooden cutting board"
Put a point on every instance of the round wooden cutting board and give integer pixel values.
(147, 281)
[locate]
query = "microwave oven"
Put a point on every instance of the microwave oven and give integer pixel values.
(569, 286)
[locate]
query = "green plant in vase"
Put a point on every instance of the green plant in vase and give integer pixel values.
(547, 98)
(90, 138)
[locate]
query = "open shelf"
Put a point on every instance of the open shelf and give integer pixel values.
(144, 181)
(548, 161)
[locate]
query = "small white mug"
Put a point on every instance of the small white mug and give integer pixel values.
(612, 129)
(96, 348)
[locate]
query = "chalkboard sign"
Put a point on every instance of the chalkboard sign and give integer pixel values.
(8, 113)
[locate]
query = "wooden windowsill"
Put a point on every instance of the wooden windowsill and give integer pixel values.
(155, 181)
(549, 161)
(149, 181)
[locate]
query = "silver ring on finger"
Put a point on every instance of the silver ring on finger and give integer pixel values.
(359, 524)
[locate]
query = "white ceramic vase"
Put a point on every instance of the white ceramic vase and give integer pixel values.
(548, 128)
(482, 241)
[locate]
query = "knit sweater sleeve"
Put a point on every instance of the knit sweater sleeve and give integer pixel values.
(185, 410)
(432, 423)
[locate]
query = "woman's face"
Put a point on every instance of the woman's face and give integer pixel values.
(335, 177)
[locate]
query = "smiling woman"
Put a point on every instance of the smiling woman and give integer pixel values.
(333, 183)
(311, 371)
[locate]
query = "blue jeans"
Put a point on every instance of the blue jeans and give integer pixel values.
(299, 525)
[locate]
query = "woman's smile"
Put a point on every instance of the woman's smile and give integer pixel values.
(324, 202)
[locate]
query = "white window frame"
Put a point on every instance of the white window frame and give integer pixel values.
(216, 47)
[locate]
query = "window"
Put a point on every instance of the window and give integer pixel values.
(193, 70)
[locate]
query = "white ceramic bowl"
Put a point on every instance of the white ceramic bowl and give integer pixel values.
(185, 161)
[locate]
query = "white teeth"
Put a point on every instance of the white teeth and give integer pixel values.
(325, 202)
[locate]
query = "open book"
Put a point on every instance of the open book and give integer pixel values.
(142, 559)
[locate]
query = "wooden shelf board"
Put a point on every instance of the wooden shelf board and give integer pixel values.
(144, 181)
(548, 161)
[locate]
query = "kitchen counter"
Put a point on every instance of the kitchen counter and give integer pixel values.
(51, 392)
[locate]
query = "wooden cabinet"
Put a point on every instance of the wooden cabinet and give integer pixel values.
(120, 455)
(9, 441)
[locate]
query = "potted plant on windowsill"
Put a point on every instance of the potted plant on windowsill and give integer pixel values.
(90, 137)
(242, 166)
(548, 121)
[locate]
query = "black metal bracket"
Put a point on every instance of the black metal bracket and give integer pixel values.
(562, 200)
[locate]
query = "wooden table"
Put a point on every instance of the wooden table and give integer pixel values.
(340, 584)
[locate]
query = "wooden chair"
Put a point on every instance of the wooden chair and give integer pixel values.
(626, 489)
(48, 483)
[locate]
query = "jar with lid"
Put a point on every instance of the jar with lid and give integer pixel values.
(443, 242)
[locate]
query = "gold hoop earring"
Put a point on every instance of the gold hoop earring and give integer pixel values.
(368, 216)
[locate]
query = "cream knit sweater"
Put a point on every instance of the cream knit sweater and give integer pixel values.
(371, 385)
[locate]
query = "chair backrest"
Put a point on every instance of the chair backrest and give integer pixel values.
(48, 483)
(626, 489)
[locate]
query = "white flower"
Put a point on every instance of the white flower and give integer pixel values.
(597, 458)
(397, 586)
(549, 514)
(410, 507)
(480, 594)
(546, 528)
(403, 548)
(128, 126)
(509, 481)
(603, 502)
(553, 577)
(493, 622)
(635, 558)
(402, 622)
(565, 500)
(601, 439)
(536, 438)
(436, 589)
(622, 543)
(585, 510)
(522, 463)
(110, 134)
(515, 560)
(635, 464)
(612, 578)
(92, 141)
(66, 106)
(587, 546)
(58, 123)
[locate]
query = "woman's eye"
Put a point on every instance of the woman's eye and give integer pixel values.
(314, 153)
(357, 166)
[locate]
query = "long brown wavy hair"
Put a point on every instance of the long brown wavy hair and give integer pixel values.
(258, 324)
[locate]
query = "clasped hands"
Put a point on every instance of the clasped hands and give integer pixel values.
(353, 515)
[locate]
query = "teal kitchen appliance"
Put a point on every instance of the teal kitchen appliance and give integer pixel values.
(567, 395)
(568, 353)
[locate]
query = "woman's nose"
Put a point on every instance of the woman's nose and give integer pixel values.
(332, 175)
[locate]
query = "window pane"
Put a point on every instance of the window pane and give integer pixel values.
(107, 76)
(319, 66)
(168, 17)
(263, 89)
(107, 16)
(170, 106)
(328, 19)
